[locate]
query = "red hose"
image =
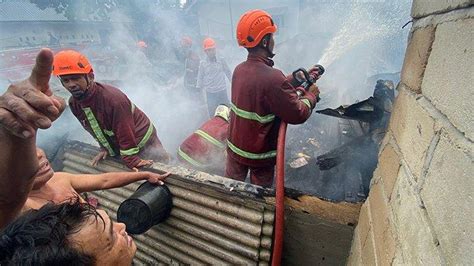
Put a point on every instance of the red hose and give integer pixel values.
(280, 196)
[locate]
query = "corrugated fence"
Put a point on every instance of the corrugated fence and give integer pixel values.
(209, 224)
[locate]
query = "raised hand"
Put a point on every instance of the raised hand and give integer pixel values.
(29, 104)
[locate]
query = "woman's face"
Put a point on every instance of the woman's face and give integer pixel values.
(108, 243)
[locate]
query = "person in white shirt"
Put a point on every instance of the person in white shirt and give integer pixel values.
(212, 75)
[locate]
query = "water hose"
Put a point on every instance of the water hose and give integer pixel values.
(280, 196)
(280, 178)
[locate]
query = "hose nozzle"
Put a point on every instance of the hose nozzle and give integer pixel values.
(320, 68)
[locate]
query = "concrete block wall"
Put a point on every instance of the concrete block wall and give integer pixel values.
(420, 209)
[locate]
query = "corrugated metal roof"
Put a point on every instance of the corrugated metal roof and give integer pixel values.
(209, 223)
(217, 220)
(26, 11)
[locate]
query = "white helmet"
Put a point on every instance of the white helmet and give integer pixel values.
(222, 111)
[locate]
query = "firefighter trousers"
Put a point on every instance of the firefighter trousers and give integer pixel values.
(262, 176)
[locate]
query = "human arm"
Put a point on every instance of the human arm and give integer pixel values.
(123, 126)
(285, 102)
(88, 183)
(24, 107)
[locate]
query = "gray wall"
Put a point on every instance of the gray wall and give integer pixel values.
(420, 208)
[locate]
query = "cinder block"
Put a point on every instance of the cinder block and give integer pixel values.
(421, 8)
(416, 57)
(448, 194)
(413, 130)
(363, 226)
(355, 253)
(448, 77)
(398, 260)
(386, 139)
(381, 225)
(387, 169)
(368, 251)
(414, 232)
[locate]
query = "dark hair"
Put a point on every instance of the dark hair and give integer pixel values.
(41, 237)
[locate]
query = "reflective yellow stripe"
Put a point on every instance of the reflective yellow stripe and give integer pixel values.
(109, 133)
(252, 116)
(147, 136)
(249, 155)
(189, 159)
(97, 131)
(130, 152)
(135, 150)
(210, 138)
(307, 102)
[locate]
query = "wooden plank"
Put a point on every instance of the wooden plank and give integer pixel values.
(338, 212)
(310, 240)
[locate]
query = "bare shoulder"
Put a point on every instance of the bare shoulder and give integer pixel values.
(61, 177)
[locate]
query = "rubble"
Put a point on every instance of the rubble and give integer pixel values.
(342, 173)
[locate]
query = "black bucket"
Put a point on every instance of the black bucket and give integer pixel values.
(148, 206)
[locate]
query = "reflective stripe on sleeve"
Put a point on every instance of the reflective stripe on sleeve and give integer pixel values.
(135, 150)
(307, 102)
(147, 136)
(130, 152)
(210, 139)
(188, 159)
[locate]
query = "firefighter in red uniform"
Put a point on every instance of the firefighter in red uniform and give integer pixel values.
(204, 150)
(108, 115)
(261, 97)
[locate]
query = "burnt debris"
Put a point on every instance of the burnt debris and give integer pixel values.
(343, 173)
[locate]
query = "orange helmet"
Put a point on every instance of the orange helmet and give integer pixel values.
(142, 44)
(70, 62)
(209, 43)
(186, 41)
(253, 26)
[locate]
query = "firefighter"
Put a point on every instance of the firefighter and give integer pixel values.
(120, 127)
(191, 70)
(191, 67)
(261, 97)
(213, 72)
(205, 149)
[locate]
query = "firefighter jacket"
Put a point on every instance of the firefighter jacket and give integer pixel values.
(191, 69)
(114, 121)
(205, 148)
(261, 97)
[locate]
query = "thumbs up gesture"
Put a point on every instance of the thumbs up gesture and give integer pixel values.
(29, 104)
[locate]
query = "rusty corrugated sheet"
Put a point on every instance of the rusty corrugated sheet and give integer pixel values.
(214, 220)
